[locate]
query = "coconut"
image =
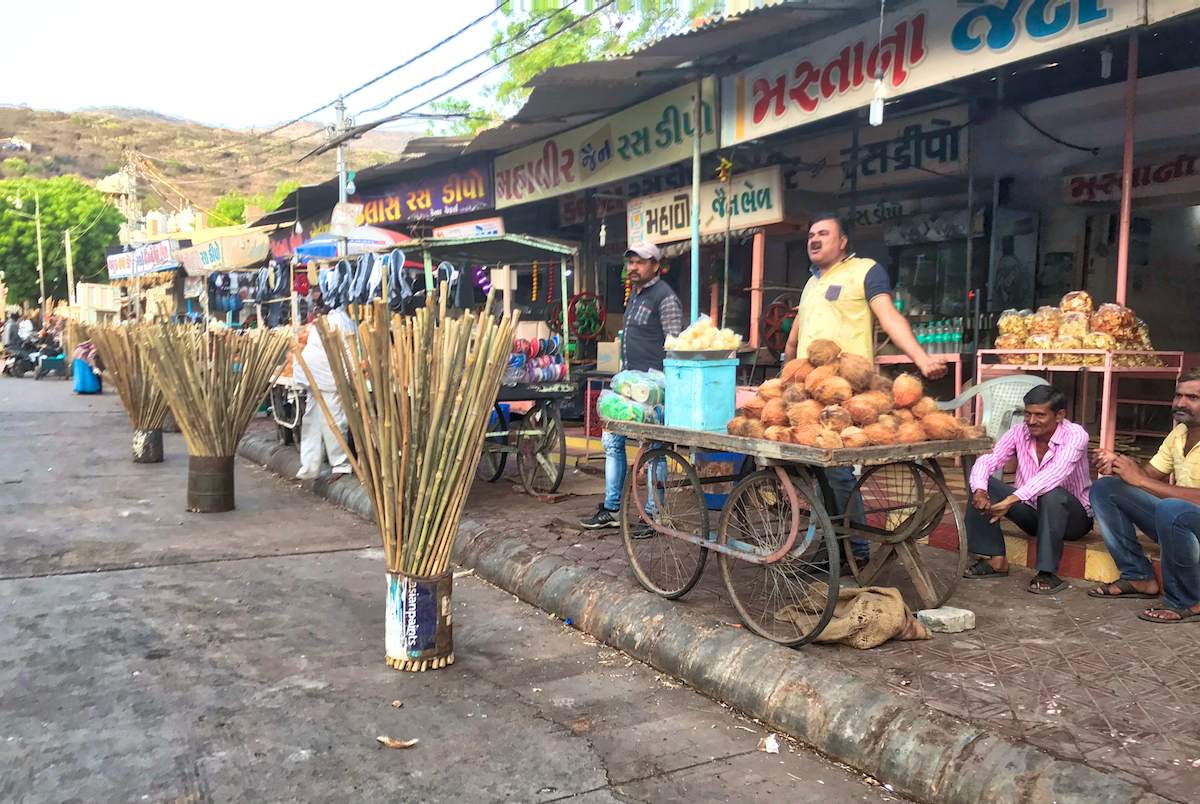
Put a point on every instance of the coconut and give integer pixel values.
(904, 415)
(771, 389)
(880, 435)
(795, 371)
(781, 434)
(818, 376)
(861, 410)
(881, 383)
(924, 407)
(807, 412)
(942, 427)
(774, 413)
(889, 421)
(910, 433)
(974, 431)
(754, 429)
(829, 439)
(834, 391)
(806, 434)
(753, 408)
(880, 400)
(822, 352)
(907, 391)
(854, 437)
(857, 370)
(795, 394)
(737, 426)
(835, 417)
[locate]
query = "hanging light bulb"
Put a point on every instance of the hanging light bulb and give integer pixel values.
(1106, 57)
(299, 228)
(876, 115)
(603, 234)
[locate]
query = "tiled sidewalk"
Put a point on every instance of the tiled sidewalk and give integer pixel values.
(1080, 678)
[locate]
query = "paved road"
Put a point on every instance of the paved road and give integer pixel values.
(150, 654)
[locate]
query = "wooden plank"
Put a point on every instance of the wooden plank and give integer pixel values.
(775, 452)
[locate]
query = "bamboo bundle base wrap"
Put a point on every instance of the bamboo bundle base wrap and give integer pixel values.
(210, 484)
(419, 628)
(147, 446)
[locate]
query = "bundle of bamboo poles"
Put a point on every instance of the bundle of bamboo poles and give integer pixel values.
(125, 365)
(213, 380)
(418, 392)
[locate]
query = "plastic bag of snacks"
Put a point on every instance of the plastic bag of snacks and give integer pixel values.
(1061, 343)
(1142, 336)
(1118, 321)
(1046, 321)
(1073, 325)
(647, 387)
(1011, 342)
(703, 336)
(1039, 343)
(1014, 322)
(1098, 340)
(1077, 301)
(614, 407)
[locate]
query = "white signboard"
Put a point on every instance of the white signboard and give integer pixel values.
(485, 227)
(142, 260)
(923, 45)
(649, 135)
(751, 199)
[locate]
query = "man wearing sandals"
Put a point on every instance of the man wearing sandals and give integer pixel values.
(1049, 500)
(1133, 496)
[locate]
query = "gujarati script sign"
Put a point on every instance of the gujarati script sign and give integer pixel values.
(468, 189)
(751, 199)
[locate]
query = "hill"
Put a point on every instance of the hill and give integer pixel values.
(202, 162)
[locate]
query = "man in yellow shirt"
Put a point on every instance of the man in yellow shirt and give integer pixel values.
(844, 297)
(1169, 513)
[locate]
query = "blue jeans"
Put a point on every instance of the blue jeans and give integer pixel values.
(841, 480)
(616, 465)
(1174, 524)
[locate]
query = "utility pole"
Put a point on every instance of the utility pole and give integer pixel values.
(37, 225)
(70, 268)
(339, 128)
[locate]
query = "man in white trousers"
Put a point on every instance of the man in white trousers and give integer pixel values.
(316, 439)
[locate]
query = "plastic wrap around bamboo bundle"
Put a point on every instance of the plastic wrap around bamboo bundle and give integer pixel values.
(125, 366)
(417, 392)
(213, 382)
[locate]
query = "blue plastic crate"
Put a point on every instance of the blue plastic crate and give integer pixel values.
(701, 394)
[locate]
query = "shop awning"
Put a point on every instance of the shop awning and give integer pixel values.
(360, 240)
(685, 246)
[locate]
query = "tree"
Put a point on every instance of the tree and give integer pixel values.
(230, 210)
(66, 202)
(275, 200)
(13, 167)
(619, 28)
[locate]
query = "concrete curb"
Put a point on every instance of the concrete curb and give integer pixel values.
(923, 754)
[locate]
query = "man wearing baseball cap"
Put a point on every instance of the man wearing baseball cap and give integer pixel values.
(652, 314)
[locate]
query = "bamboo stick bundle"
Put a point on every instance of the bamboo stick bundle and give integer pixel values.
(125, 365)
(418, 392)
(213, 381)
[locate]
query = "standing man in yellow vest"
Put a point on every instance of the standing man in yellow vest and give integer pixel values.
(841, 301)
(844, 297)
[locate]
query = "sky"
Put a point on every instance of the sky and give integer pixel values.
(244, 64)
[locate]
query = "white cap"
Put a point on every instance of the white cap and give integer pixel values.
(647, 251)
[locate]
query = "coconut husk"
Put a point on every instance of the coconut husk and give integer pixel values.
(771, 389)
(822, 352)
(880, 435)
(829, 439)
(753, 408)
(861, 410)
(910, 433)
(907, 391)
(755, 429)
(806, 434)
(880, 400)
(795, 394)
(781, 434)
(795, 371)
(737, 426)
(818, 376)
(807, 412)
(774, 414)
(924, 407)
(856, 370)
(942, 427)
(833, 391)
(889, 421)
(854, 437)
(835, 417)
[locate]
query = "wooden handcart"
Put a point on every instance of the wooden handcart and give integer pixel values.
(778, 537)
(538, 440)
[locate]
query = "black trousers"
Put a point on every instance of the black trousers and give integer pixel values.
(1058, 517)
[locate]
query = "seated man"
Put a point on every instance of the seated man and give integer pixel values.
(1050, 499)
(1142, 497)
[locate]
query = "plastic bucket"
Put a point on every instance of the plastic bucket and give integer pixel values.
(147, 446)
(210, 484)
(701, 394)
(418, 627)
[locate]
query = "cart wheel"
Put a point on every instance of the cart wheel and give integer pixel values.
(792, 599)
(493, 457)
(542, 450)
(905, 505)
(664, 564)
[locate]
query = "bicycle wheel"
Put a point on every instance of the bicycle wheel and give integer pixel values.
(906, 506)
(792, 599)
(492, 461)
(662, 563)
(542, 450)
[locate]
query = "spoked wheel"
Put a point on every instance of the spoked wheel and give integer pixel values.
(905, 506)
(542, 450)
(492, 459)
(666, 486)
(791, 599)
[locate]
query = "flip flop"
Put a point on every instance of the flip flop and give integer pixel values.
(1049, 590)
(982, 569)
(1127, 590)
(1185, 616)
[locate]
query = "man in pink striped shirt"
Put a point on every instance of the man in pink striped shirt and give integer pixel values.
(1049, 500)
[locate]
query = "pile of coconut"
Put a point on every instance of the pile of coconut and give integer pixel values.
(832, 400)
